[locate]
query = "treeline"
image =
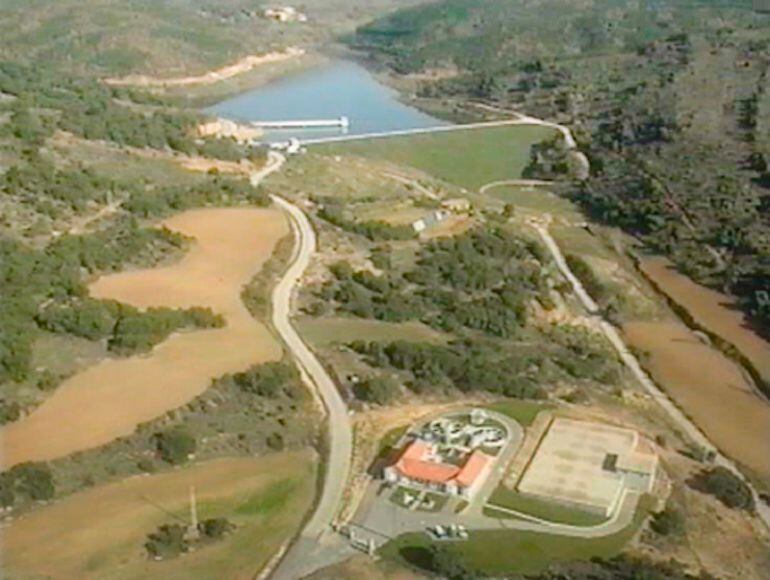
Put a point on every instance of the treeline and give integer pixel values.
(126, 329)
(37, 183)
(270, 380)
(217, 189)
(46, 101)
(333, 212)
(473, 364)
(481, 280)
(57, 274)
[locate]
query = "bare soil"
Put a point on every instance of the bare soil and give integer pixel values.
(109, 399)
(711, 310)
(711, 388)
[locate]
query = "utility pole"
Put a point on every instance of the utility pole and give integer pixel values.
(192, 530)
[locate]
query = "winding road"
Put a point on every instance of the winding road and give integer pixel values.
(304, 552)
(317, 545)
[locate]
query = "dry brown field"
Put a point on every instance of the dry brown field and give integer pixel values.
(711, 310)
(100, 533)
(711, 388)
(108, 400)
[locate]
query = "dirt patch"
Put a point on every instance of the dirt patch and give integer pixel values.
(100, 533)
(710, 387)
(244, 65)
(714, 312)
(110, 399)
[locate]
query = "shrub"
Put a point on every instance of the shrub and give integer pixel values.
(9, 411)
(33, 481)
(377, 390)
(669, 522)
(725, 486)
(275, 441)
(269, 380)
(447, 564)
(166, 542)
(174, 445)
(215, 528)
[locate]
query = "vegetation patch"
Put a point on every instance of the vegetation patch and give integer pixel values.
(542, 509)
(261, 410)
(487, 155)
(727, 487)
(496, 553)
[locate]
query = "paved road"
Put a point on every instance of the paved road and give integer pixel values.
(301, 557)
(520, 120)
(632, 363)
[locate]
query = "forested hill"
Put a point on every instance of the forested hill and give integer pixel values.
(164, 37)
(669, 99)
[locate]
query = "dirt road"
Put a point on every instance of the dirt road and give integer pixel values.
(631, 362)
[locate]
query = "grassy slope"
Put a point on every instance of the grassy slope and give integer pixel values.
(503, 552)
(100, 532)
(340, 330)
(551, 511)
(468, 158)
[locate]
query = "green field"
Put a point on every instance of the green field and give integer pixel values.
(537, 199)
(468, 158)
(497, 553)
(538, 508)
(523, 412)
(322, 331)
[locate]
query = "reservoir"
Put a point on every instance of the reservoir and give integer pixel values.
(333, 90)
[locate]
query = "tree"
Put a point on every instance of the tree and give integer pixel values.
(167, 542)
(379, 390)
(446, 563)
(215, 528)
(726, 486)
(668, 522)
(174, 445)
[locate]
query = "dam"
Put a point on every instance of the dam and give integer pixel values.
(341, 122)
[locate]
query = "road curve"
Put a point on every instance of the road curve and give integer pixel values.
(300, 557)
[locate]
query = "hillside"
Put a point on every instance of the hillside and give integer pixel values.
(170, 37)
(669, 100)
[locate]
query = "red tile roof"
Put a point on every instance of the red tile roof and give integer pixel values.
(412, 464)
(472, 468)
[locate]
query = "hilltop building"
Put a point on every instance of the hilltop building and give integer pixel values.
(430, 220)
(457, 205)
(285, 14)
(420, 464)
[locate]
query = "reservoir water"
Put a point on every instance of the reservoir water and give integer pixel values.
(330, 91)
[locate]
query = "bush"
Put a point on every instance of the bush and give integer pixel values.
(377, 390)
(33, 481)
(167, 542)
(215, 528)
(447, 564)
(9, 411)
(669, 522)
(174, 445)
(275, 441)
(725, 486)
(269, 380)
